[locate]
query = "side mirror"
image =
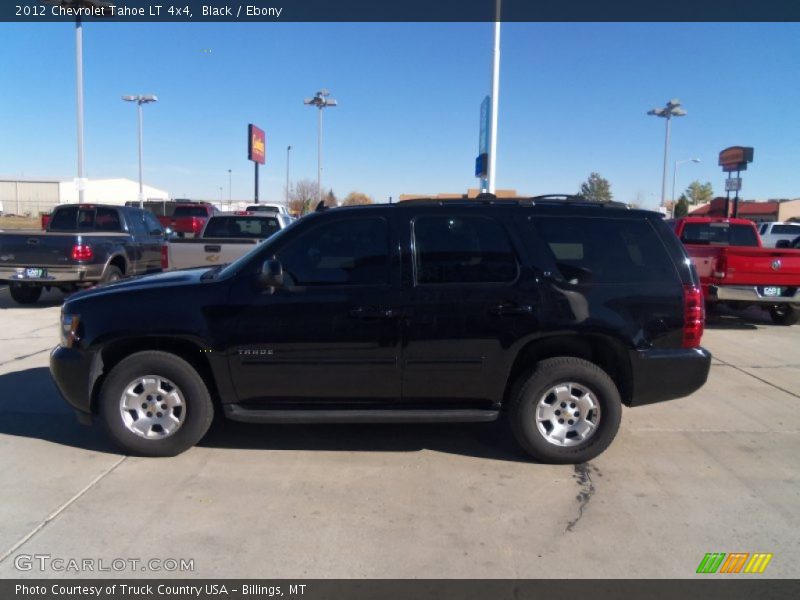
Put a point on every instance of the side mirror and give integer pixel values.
(784, 244)
(271, 275)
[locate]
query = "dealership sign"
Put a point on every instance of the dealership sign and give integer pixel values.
(256, 145)
(735, 158)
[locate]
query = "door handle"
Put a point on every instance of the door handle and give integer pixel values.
(371, 312)
(511, 310)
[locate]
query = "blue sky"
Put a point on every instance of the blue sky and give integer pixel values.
(573, 100)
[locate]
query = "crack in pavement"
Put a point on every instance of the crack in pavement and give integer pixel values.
(16, 358)
(59, 510)
(756, 377)
(583, 475)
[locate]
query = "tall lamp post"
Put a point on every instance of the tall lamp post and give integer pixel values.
(677, 164)
(288, 151)
(320, 100)
(139, 101)
(672, 109)
(230, 189)
(105, 11)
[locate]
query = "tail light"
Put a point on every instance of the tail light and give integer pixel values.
(694, 316)
(720, 267)
(197, 225)
(82, 252)
(164, 257)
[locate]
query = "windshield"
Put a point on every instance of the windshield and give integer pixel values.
(241, 227)
(240, 262)
(719, 234)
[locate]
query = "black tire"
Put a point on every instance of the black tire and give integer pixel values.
(199, 410)
(25, 294)
(111, 275)
(530, 390)
(784, 314)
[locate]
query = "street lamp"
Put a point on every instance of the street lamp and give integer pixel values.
(672, 109)
(139, 101)
(230, 188)
(320, 100)
(677, 164)
(288, 150)
(105, 10)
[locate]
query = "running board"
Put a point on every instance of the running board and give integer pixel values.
(236, 412)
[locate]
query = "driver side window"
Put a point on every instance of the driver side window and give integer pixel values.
(346, 252)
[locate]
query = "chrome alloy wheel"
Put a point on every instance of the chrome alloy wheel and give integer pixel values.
(567, 414)
(152, 407)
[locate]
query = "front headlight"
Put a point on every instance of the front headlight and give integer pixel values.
(69, 330)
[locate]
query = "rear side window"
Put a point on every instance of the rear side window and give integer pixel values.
(596, 250)
(107, 219)
(786, 229)
(458, 249)
(719, 234)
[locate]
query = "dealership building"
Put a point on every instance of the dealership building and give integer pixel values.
(28, 196)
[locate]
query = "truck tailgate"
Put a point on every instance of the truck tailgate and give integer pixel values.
(208, 252)
(757, 266)
(34, 248)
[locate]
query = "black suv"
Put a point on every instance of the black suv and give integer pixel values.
(550, 312)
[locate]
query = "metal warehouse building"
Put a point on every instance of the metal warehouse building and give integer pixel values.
(34, 196)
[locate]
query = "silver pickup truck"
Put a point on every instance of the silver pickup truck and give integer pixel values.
(225, 238)
(84, 244)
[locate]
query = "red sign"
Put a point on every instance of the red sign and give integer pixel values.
(256, 144)
(735, 158)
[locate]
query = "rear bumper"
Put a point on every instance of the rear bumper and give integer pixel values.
(75, 373)
(55, 275)
(660, 375)
(750, 294)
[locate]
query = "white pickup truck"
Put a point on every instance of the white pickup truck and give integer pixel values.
(771, 233)
(225, 238)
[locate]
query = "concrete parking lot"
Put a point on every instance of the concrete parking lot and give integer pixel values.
(715, 472)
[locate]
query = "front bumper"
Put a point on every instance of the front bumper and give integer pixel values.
(660, 375)
(75, 373)
(55, 275)
(751, 295)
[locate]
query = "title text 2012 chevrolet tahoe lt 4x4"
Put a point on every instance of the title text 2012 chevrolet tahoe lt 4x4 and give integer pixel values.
(551, 313)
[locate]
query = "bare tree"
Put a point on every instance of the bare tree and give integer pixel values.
(302, 197)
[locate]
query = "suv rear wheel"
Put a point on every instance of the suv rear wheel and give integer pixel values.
(155, 404)
(567, 411)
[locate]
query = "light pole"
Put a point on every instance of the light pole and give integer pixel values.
(230, 189)
(105, 11)
(672, 109)
(288, 151)
(492, 171)
(139, 101)
(677, 164)
(320, 100)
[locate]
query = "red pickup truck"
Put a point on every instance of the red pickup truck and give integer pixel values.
(189, 218)
(735, 269)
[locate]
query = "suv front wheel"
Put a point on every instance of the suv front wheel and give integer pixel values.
(567, 411)
(155, 404)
